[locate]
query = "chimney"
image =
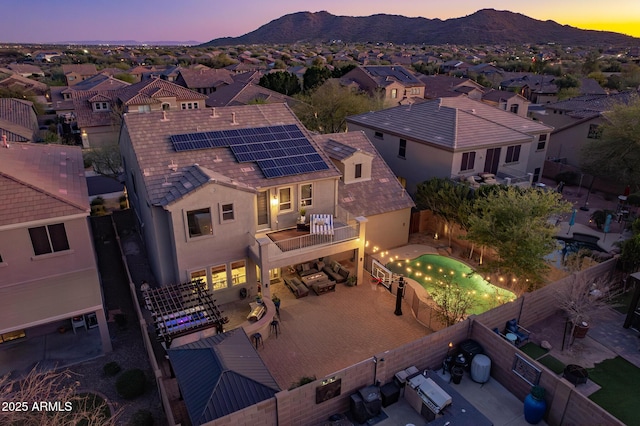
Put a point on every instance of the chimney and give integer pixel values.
(4, 141)
(233, 118)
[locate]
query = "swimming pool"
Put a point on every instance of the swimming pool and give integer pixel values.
(429, 269)
(568, 246)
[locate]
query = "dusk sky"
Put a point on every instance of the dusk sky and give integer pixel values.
(42, 21)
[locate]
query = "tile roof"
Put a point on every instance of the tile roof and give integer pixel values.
(100, 82)
(384, 75)
(25, 69)
(241, 93)
(57, 100)
(440, 86)
(591, 105)
(452, 123)
(17, 119)
(203, 78)
(150, 132)
(382, 194)
(16, 80)
(40, 182)
(498, 95)
(82, 69)
(83, 109)
(536, 82)
(236, 377)
(148, 91)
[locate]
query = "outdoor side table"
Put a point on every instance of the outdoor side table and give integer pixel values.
(511, 338)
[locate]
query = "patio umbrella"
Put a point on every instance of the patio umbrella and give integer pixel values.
(572, 221)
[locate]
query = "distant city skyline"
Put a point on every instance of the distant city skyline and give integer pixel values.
(47, 21)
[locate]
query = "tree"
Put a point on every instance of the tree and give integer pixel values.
(106, 160)
(515, 223)
(314, 77)
(37, 387)
(326, 108)
(452, 301)
(452, 202)
(282, 82)
(615, 156)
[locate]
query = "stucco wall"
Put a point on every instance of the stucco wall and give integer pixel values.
(388, 230)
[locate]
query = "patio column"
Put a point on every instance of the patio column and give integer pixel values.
(104, 331)
(362, 228)
(263, 253)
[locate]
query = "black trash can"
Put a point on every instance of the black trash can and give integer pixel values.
(456, 374)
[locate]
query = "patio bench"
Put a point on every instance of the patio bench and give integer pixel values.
(297, 287)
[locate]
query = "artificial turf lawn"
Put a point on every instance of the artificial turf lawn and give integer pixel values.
(552, 363)
(619, 380)
(533, 350)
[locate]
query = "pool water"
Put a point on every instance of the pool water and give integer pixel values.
(566, 247)
(429, 269)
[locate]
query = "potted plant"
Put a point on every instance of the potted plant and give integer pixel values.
(276, 301)
(351, 280)
(535, 405)
(303, 214)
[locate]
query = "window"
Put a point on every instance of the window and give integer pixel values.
(513, 154)
(166, 107)
(284, 195)
(358, 171)
(262, 201)
(415, 91)
(594, 131)
(306, 192)
(542, 141)
(226, 212)
(199, 222)
(144, 108)
(238, 272)
(402, 148)
(219, 277)
(12, 335)
(394, 93)
(514, 108)
(49, 239)
(100, 106)
(189, 105)
(202, 276)
(378, 135)
(468, 161)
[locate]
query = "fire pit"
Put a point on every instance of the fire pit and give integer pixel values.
(575, 374)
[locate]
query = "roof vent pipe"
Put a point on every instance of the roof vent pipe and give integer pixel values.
(213, 113)
(233, 118)
(4, 141)
(164, 116)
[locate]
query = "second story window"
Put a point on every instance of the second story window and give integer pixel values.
(100, 106)
(144, 108)
(513, 154)
(49, 239)
(402, 148)
(394, 93)
(358, 173)
(514, 108)
(284, 198)
(189, 105)
(199, 223)
(378, 135)
(306, 195)
(226, 212)
(468, 161)
(542, 141)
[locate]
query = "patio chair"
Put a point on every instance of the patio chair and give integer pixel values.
(521, 333)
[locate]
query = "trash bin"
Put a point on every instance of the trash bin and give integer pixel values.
(456, 374)
(480, 368)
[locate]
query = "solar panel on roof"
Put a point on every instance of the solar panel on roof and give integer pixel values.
(281, 150)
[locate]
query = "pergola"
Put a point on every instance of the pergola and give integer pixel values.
(181, 309)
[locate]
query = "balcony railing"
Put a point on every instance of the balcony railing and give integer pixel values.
(278, 249)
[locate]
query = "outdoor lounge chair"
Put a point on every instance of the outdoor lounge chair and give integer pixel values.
(521, 333)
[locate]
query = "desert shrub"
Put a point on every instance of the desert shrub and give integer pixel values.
(141, 418)
(131, 383)
(303, 381)
(568, 177)
(111, 368)
(98, 201)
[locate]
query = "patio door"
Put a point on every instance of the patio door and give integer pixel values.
(263, 209)
(492, 160)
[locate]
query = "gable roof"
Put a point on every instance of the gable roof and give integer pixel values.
(82, 69)
(241, 93)
(589, 106)
(384, 75)
(17, 80)
(236, 377)
(204, 78)
(83, 109)
(452, 123)
(40, 182)
(382, 194)
(440, 86)
(149, 91)
(100, 82)
(150, 138)
(17, 120)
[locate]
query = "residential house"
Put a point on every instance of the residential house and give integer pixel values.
(537, 88)
(576, 121)
(218, 193)
(444, 86)
(47, 261)
(204, 80)
(26, 70)
(18, 121)
(241, 93)
(455, 66)
(98, 112)
(29, 86)
(396, 84)
(458, 138)
(508, 101)
(47, 56)
(75, 73)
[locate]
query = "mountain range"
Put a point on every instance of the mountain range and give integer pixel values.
(486, 26)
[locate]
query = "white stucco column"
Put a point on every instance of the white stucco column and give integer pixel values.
(263, 250)
(104, 331)
(362, 232)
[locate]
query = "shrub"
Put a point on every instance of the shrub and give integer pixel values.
(568, 177)
(141, 418)
(131, 383)
(634, 199)
(303, 381)
(98, 201)
(111, 368)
